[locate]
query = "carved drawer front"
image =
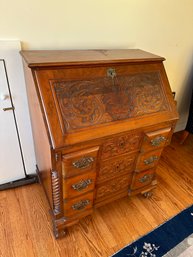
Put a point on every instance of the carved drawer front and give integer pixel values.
(113, 186)
(79, 162)
(148, 160)
(116, 167)
(142, 179)
(78, 205)
(156, 139)
(78, 185)
(120, 144)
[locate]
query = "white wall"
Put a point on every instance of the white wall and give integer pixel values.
(163, 27)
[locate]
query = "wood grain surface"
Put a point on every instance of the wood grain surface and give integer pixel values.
(45, 58)
(25, 227)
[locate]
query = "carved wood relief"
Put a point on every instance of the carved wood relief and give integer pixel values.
(113, 186)
(116, 167)
(101, 100)
(55, 191)
(120, 144)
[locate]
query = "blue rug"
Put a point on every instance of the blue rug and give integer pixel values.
(172, 239)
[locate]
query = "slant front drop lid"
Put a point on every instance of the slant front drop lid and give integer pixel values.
(100, 120)
(85, 103)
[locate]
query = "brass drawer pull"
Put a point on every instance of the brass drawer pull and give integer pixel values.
(80, 205)
(151, 159)
(156, 141)
(82, 184)
(146, 178)
(83, 163)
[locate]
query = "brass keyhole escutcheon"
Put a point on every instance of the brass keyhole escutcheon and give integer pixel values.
(111, 72)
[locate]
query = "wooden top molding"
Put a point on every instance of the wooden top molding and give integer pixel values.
(43, 58)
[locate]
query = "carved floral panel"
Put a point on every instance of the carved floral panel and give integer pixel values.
(120, 145)
(113, 186)
(84, 103)
(116, 167)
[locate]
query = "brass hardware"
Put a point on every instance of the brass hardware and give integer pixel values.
(148, 194)
(146, 178)
(156, 141)
(151, 159)
(121, 144)
(82, 184)
(111, 73)
(80, 205)
(83, 163)
(57, 157)
(8, 109)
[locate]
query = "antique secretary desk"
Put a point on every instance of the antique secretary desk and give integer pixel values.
(100, 120)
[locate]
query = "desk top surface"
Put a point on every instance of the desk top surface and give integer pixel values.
(42, 58)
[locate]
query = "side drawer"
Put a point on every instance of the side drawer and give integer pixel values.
(142, 179)
(79, 162)
(75, 186)
(148, 160)
(77, 206)
(156, 139)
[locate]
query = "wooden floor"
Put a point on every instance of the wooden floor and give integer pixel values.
(26, 230)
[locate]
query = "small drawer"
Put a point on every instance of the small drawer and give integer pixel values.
(121, 144)
(79, 162)
(142, 179)
(116, 167)
(78, 205)
(113, 186)
(75, 186)
(148, 160)
(156, 139)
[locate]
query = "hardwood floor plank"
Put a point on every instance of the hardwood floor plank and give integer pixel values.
(39, 223)
(17, 226)
(6, 233)
(26, 229)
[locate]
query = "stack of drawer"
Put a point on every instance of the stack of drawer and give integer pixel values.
(79, 174)
(119, 166)
(150, 152)
(117, 160)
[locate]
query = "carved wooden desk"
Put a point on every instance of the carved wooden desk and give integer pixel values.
(100, 121)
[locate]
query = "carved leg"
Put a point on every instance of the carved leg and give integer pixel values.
(59, 228)
(148, 194)
(60, 225)
(184, 136)
(59, 233)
